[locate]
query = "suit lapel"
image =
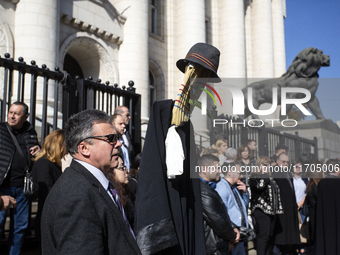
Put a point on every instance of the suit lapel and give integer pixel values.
(103, 193)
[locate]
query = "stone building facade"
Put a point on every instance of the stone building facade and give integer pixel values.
(141, 40)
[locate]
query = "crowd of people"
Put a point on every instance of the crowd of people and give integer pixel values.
(283, 207)
(278, 198)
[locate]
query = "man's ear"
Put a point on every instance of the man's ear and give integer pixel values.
(83, 149)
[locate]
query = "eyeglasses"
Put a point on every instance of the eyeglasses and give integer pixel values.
(127, 115)
(122, 168)
(111, 138)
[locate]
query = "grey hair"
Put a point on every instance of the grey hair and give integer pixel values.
(79, 126)
(231, 153)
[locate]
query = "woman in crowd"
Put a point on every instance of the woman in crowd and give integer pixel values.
(47, 168)
(310, 202)
(221, 147)
(265, 204)
(119, 179)
(243, 159)
(243, 156)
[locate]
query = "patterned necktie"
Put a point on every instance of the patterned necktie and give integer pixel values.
(120, 206)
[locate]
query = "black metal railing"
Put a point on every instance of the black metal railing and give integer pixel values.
(74, 95)
(32, 71)
(81, 94)
(267, 138)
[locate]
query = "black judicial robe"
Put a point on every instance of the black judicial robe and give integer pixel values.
(327, 239)
(286, 229)
(169, 217)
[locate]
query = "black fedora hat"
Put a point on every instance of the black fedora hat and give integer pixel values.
(203, 54)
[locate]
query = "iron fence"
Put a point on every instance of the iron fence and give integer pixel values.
(70, 95)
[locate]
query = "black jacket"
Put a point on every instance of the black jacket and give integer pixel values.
(45, 174)
(327, 239)
(7, 147)
(217, 225)
(265, 194)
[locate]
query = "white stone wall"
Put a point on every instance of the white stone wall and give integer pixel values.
(133, 57)
(249, 35)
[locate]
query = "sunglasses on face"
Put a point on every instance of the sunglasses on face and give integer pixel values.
(122, 168)
(111, 138)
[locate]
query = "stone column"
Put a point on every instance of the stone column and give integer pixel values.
(232, 68)
(232, 39)
(279, 37)
(190, 23)
(37, 31)
(262, 39)
(133, 52)
(190, 29)
(37, 38)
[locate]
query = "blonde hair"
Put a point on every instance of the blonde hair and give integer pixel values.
(260, 160)
(53, 148)
(218, 145)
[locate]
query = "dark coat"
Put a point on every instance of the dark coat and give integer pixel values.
(327, 217)
(1, 203)
(7, 146)
(287, 224)
(217, 225)
(79, 217)
(45, 174)
(311, 203)
(169, 218)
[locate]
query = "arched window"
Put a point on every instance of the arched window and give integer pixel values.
(152, 90)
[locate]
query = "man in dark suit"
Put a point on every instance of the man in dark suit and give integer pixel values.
(81, 214)
(126, 137)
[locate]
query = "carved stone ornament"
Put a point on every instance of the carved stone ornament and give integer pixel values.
(106, 63)
(83, 26)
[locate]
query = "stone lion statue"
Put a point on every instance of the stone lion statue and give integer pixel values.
(302, 73)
